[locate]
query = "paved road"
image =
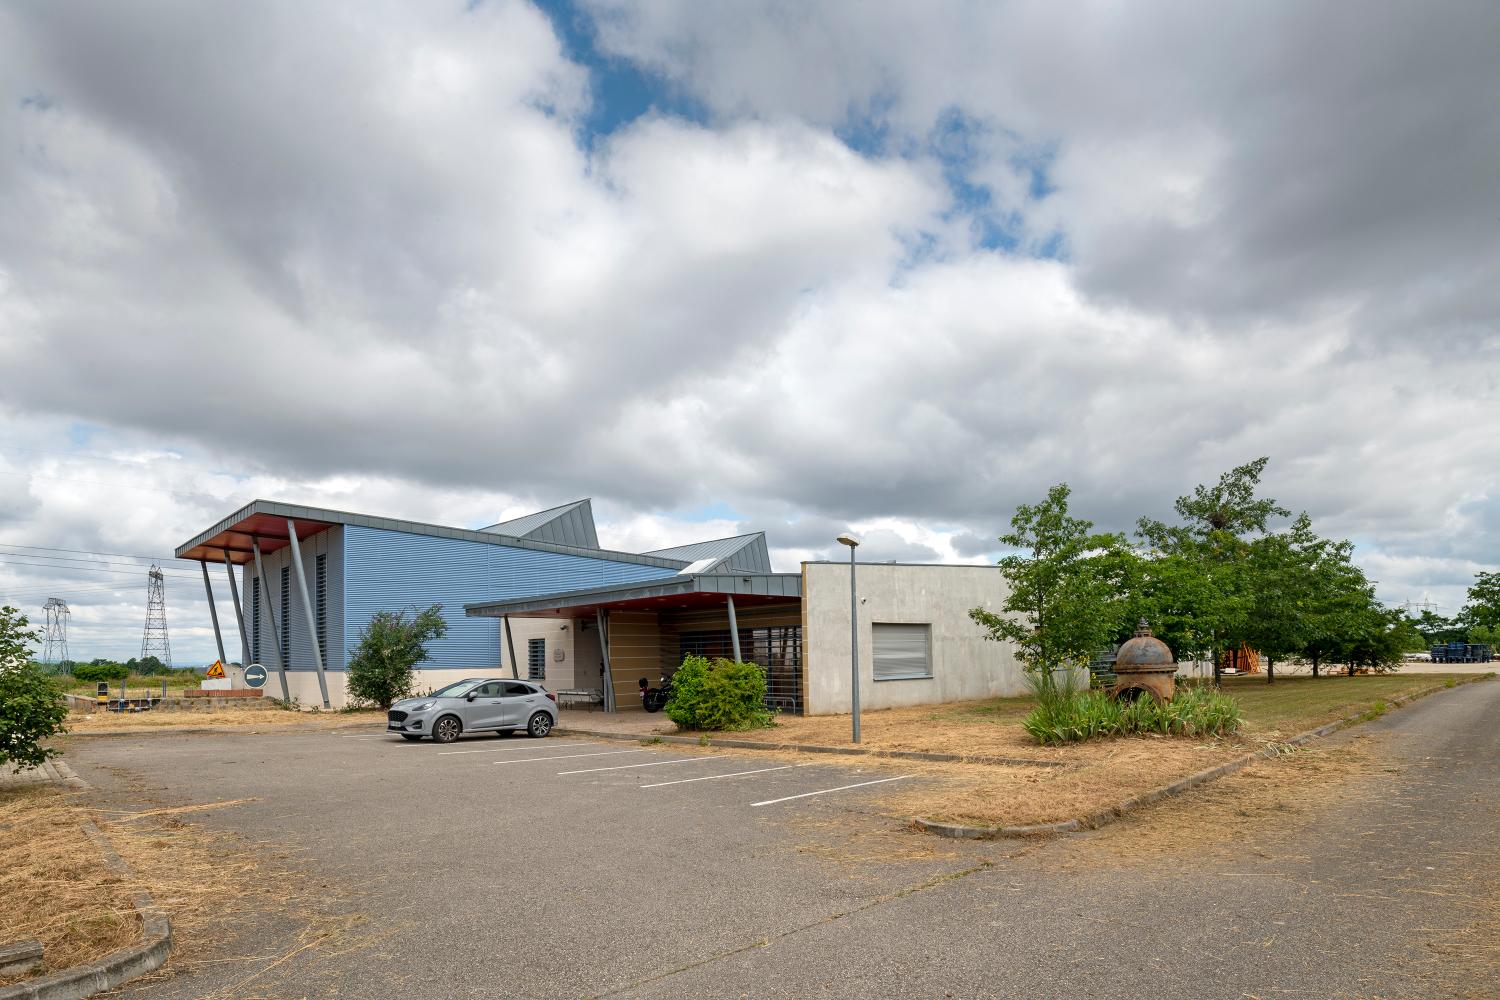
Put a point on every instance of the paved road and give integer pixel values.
(521, 868)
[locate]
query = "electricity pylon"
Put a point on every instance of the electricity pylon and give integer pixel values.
(154, 641)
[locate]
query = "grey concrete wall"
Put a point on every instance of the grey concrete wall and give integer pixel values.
(964, 664)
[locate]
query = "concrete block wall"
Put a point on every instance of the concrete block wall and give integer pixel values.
(965, 665)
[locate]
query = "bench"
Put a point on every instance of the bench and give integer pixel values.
(581, 696)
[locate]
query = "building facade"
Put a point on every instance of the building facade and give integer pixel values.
(537, 597)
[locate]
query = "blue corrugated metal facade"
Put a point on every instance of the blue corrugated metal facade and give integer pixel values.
(390, 571)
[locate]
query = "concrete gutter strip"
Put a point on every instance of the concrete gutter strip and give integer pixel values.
(1108, 815)
(115, 968)
(737, 744)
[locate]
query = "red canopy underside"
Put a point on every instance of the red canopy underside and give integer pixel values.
(267, 528)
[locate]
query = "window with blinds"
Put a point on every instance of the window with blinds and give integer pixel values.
(286, 616)
(902, 652)
(255, 620)
(536, 659)
(321, 590)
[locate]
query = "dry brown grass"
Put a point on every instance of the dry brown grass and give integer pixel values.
(56, 889)
(1094, 775)
(166, 720)
(53, 884)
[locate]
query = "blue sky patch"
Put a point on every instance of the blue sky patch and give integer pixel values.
(621, 91)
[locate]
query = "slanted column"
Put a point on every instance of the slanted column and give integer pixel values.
(307, 611)
(265, 590)
(609, 676)
(510, 647)
(239, 612)
(213, 612)
(734, 629)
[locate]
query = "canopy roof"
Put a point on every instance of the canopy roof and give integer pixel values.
(266, 520)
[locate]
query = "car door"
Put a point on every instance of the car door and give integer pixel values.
(485, 709)
(520, 700)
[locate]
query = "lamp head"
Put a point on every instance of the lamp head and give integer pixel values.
(849, 540)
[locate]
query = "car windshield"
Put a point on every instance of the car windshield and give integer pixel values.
(455, 690)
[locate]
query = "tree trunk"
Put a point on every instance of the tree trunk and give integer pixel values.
(1315, 666)
(1270, 670)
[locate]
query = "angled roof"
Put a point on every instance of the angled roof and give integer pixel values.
(266, 521)
(569, 524)
(690, 590)
(747, 553)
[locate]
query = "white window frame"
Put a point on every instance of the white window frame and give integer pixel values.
(875, 628)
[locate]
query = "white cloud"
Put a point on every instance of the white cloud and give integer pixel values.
(381, 272)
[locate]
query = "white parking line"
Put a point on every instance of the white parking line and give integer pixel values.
(659, 763)
(825, 791)
(565, 756)
(516, 746)
(731, 774)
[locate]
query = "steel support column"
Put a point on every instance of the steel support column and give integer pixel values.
(260, 571)
(734, 630)
(307, 611)
(239, 612)
(213, 612)
(510, 647)
(609, 675)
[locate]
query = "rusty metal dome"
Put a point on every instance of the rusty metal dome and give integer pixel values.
(1143, 653)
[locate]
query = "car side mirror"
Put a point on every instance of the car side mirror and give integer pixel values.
(471, 695)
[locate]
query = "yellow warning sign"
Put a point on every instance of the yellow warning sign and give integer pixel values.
(216, 671)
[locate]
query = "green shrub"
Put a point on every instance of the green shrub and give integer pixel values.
(31, 704)
(93, 673)
(1066, 715)
(718, 695)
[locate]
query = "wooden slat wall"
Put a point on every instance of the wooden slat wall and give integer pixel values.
(634, 652)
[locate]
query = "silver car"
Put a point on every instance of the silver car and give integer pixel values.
(475, 705)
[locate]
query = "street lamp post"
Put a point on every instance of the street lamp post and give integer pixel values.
(853, 543)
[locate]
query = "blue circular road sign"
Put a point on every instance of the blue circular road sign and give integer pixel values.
(255, 675)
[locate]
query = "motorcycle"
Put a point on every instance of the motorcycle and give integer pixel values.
(654, 699)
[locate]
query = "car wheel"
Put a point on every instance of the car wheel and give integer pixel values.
(446, 729)
(540, 725)
(409, 736)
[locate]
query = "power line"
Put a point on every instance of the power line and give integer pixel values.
(92, 552)
(86, 562)
(84, 569)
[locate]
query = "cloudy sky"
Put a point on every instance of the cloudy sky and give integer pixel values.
(741, 265)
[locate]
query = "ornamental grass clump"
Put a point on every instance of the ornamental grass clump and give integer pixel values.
(1065, 714)
(718, 695)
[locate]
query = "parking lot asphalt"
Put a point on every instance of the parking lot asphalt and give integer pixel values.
(570, 867)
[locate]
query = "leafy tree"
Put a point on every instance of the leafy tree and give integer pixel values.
(31, 707)
(1065, 601)
(379, 668)
(101, 670)
(1437, 630)
(1482, 609)
(1211, 550)
(1284, 569)
(1378, 640)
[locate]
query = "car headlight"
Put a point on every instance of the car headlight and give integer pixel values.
(424, 706)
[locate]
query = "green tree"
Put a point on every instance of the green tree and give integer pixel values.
(1066, 588)
(1482, 609)
(1284, 576)
(1338, 602)
(1210, 555)
(379, 668)
(31, 706)
(1436, 630)
(101, 670)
